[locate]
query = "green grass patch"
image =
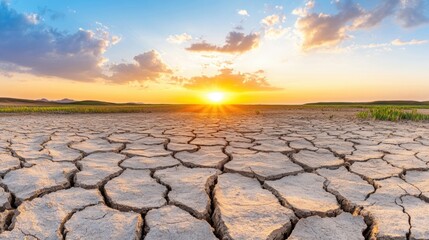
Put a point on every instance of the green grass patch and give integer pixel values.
(398, 103)
(366, 106)
(82, 109)
(392, 114)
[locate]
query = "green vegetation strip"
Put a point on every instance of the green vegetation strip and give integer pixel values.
(75, 109)
(392, 114)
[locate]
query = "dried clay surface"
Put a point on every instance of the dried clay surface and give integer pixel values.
(279, 174)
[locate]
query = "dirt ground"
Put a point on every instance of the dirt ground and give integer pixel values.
(213, 173)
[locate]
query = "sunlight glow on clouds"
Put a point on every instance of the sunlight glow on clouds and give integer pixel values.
(303, 11)
(147, 67)
(321, 30)
(327, 30)
(398, 42)
(227, 80)
(236, 42)
(272, 24)
(271, 20)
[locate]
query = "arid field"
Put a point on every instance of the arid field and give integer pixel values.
(253, 173)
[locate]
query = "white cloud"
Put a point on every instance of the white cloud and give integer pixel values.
(389, 46)
(304, 11)
(271, 20)
(272, 25)
(398, 42)
(243, 12)
(115, 39)
(179, 38)
(33, 18)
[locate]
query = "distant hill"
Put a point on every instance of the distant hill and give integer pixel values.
(46, 102)
(65, 100)
(26, 102)
(93, 102)
(394, 102)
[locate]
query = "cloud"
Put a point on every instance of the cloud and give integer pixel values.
(147, 67)
(324, 30)
(36, 48)
(409, 13)
(179, 38)
(272, 26)
(386, 46)
(236, 42)
(412, 13)
(7, 68)
(398, 42)
(243, 12)
(115, 40)
(327, 30)
(302, 12)
(227, 80)
(271, 20)
(372, 18)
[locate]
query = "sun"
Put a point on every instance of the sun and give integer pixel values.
(216, 97)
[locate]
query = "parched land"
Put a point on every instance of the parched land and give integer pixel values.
(245, 174)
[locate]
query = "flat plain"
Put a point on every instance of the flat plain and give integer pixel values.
(256, 173)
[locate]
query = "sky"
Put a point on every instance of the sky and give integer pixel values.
(179, 51)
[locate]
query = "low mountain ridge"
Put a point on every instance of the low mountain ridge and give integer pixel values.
(44, 101)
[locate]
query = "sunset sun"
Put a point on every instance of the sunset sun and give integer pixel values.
(216, 97)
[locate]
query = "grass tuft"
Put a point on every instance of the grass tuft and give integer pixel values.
(392, 114)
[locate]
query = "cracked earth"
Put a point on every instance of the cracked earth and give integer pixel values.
(293, 174)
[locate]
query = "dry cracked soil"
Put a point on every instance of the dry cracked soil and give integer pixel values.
(290, 174)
